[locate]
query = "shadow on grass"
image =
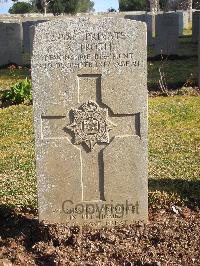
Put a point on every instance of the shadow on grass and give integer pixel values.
(154, 86)
(24, 229)
(189, 191)
(13, 224)
(15, 65)
(170, 57)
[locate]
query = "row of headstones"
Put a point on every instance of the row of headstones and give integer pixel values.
(16, 37)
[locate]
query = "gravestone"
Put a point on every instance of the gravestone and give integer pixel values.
(26, 33)
(10, 43)
(149, 20)
(28, 38)
(183, 20)
(31, 38)
(167, 32)
(195, 26)
(90, 106)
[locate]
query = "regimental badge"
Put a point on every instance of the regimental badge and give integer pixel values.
(90, 124)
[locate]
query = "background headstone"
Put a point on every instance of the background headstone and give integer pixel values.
(167, 32)
(31, 38)
(90, 106)
(195, 26)
(10, 43)
(26, 33)
(28, 38)
(148, 19)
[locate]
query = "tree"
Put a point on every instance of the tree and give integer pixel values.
(154, 6)
(111, 9)
(21, 8)
(56, 7)
(132, 5)
(85, 6)
(196, 4)
(42, 5)
(71, 6)
(174, 5)
(78, 6)
(64, 6)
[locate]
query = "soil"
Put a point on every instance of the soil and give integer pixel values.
(171, 237)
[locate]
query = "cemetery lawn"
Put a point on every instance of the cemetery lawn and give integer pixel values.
(174, 176)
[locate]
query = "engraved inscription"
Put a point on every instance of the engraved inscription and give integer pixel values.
(90, 124)
(97, 49)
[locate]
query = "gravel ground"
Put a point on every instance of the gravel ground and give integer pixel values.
(171, 237)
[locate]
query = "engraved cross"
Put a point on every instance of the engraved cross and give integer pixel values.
(93, 127)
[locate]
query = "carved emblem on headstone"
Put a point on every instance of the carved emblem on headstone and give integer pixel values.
(90, 124)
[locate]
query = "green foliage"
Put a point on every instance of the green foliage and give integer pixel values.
(132, 5)
(85, 6)
(111, 9)
(70, 6)
(21, 8)
(66, 6)
(196, 4)
(77, 6)
(57, 7)
(19, 92)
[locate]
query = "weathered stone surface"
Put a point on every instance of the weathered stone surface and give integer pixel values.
(167, 32)
(195, 26)
(31, 38)
(149, 20)
(90, 105)
(10, 43)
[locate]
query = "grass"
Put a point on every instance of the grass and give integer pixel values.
(178, 69)
(174, 146)
(173, 152)
(17, 157)
(188, 31)
(10, 76)
(173, 137)
(177, 73)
